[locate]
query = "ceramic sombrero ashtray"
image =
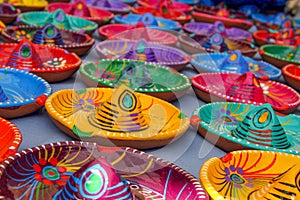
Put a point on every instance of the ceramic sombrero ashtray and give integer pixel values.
(230, 18)
(155, 80)
(116, 7)
(10, 139)
(245, 88)
(289, 37)
(143, 51)
(207, 29)
(215, 43)
(233, 62)
(274, 22)
(29, 5)
(171, 4)
(51, 63)
(116, 117)
(149, 20)
(252, 175)
(80, 9)
(58, 19)
(82, 170)
(204, 37)
(136, 32)
(72, 41)
(21, 93)
(8, 13)
(279, 55)
(164, 10)
(235, 126)
(291, 74)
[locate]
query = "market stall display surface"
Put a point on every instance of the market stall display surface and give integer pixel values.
(72, 41)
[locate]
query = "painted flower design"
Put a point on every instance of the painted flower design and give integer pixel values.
(224, 119)
(22, 34)
(49, 173)
(225, 116)
(290, 56)
(56, 62)
(41, 174)
(234, 175)
(256, 69)
(253, 67)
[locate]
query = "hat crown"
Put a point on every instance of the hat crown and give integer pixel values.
(95, 180)
(246, 86)
(59, 19)
(148, 19)
(133, 74)
(122, 112)
(235, 62)
(48, 34)
(80, 8)
(24, 56)
(261, 126)
(141, 50)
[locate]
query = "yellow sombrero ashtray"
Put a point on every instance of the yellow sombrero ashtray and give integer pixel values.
(116, 117)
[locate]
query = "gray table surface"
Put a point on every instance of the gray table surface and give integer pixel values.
(188, 152)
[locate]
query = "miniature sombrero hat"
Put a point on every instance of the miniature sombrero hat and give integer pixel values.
(84, 170)
(288, 37)
(245, 88)
(11, 137)
(233, 62)
(140, 76)
(21, 93)
(172, 4)
(80, 9)
(236, 126)
(274, 22)
(116, 117)
(8, 13)
(58, 19)
(116, 7)
(291, 74)
(280, 55)
(51, 63)
(252, 174)
(71, 41)
(208, 29)
(166, 11)
(215, 43)
(149, 20)
(143, 51)
(136, 32)
(29, 5)
(230, 18)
